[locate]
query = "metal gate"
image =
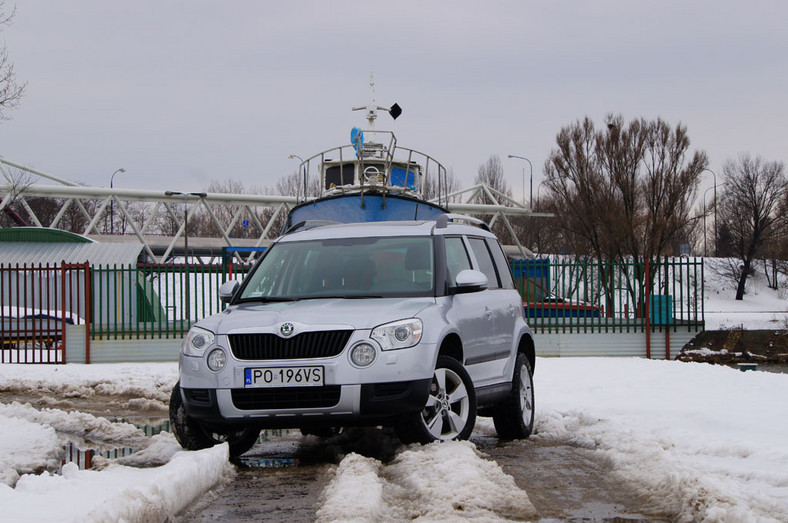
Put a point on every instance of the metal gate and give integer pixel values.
(37, 304)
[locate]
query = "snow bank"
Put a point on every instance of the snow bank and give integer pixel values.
(152, 381)
(704, 442)
(438, 482)
(118, 493)
(74, 423)
(31, 441)
(26, 447)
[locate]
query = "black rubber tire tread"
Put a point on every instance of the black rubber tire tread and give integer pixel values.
(411, 428)
(191, 436)
(508, 416)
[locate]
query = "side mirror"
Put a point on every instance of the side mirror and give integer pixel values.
(470, 280)
(227, 290)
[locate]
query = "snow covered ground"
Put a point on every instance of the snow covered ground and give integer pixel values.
(761, 308)
(699, 441)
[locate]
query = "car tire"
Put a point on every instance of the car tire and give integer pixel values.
(514, 418)
(450, 411)
(192, 436)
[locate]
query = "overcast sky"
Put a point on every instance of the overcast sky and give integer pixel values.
(181, 93)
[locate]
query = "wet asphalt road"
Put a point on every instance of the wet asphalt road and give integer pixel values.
(282, 481)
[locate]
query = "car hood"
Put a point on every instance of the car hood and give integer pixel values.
(308, 314)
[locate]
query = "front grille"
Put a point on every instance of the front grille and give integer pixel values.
(286, 398)
(320, 344)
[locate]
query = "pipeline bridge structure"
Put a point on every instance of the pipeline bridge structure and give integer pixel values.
(259, 215)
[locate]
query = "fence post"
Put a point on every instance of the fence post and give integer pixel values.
(646, 306)
(88, 311)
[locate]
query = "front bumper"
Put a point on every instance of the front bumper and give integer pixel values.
(298, 407)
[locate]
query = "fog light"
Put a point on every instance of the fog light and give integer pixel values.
(217, 359)
(362, 354)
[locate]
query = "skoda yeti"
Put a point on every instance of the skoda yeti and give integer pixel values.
(414, 325)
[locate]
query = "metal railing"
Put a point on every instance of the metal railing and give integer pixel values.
(587, 296)
(156, 300)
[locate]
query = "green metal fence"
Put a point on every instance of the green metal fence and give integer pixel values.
(562, 295)
(155, 300)
(559, 295)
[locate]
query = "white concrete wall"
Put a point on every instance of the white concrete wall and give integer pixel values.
(116, 351)
(621, 344)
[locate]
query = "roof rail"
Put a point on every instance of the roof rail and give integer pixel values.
(443, 221)
(308, 224)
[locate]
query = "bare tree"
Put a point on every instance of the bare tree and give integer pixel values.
(579, 193)
(623, 192)
(10, 90)
(626, 191)
(449, 183)
(491, 174)
(18, 181)
(201, 223)
(754, 190)
(293, 185)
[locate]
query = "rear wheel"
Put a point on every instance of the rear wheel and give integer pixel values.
(192, 436)
(514, 418)
(450, 412)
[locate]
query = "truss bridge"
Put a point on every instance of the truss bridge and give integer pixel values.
(170, 224)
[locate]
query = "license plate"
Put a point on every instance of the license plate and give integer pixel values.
(284, 377)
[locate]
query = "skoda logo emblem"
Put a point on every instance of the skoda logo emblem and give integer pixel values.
(286, 329)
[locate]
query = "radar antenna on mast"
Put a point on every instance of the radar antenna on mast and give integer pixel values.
(372, 108)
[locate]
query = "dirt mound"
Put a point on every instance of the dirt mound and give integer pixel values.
(737, 346)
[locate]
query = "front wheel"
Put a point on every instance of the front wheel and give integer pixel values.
(450, 412)
(514, 418)
(192, 436)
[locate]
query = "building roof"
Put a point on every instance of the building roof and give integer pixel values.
(40, 234)
(35, 253)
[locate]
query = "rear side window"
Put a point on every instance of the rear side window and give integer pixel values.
(504, 269)
(456, 258)
(485, 261)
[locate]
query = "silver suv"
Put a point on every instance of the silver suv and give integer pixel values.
(415, 325)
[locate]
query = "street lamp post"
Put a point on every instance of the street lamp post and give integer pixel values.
(715, 211)
(187, 299)
(531, 199)
(296, 157)
(705, 250)
(112, 201)
(539, 194)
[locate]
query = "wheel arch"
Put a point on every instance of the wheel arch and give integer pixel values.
(527, 347)
(452, 346)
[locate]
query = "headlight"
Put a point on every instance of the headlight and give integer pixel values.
(197, 341)
(398, 335)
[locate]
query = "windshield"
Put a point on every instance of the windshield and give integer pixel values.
(346, 267)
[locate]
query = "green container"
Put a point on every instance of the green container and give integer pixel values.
(661, 309)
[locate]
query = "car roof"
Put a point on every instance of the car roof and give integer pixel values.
(384, 228)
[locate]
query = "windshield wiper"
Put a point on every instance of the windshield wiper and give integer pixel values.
(267, 299)
(277, 299)
(339, 297)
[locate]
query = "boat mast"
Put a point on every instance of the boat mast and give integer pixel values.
(372, 108)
